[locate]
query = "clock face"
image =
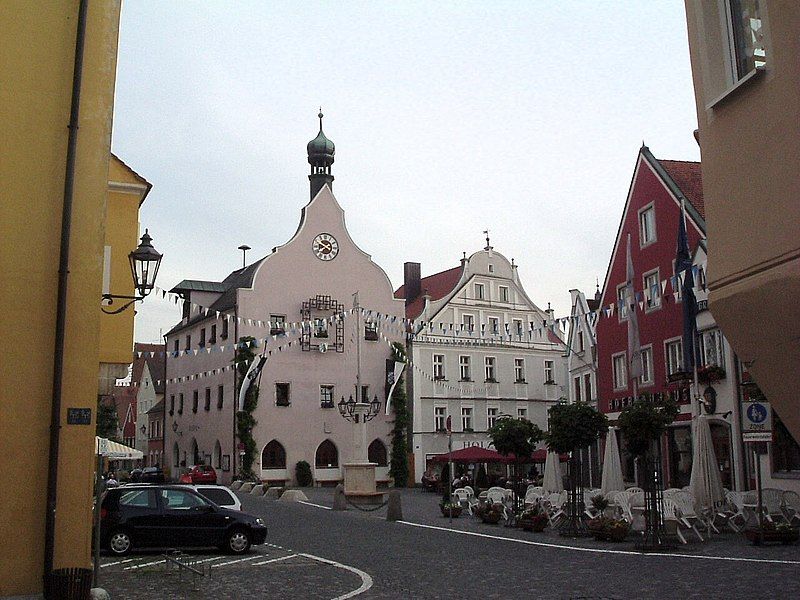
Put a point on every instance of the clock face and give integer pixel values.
(325, 246)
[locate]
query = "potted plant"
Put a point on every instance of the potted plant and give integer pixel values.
(533, 518)
(451, 509)
(710, 374)
(607, 529)
(783, 533)
(492, 513)
(600, 504)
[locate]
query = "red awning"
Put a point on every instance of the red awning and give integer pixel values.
(473, 454)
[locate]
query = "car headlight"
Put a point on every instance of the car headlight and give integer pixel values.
(260, 521)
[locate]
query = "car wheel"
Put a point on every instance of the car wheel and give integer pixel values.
(119, 542)
(237, 541)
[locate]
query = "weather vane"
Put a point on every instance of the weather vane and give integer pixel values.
(486, 233)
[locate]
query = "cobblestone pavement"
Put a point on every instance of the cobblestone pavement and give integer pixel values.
(427, 557)
(268, 571)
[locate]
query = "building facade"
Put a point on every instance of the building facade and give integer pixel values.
(581, 348)
(56, 170)
(746, 72)
(298, 305)
(148, 379)
(482, 351)
(651, 219)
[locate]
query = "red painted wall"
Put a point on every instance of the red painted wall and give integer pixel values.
(660, 324)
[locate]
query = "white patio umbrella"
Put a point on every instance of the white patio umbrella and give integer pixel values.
(705, 481)
(612, 465)
(552, 481)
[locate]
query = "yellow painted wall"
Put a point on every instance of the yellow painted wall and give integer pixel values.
(125, 192)
(37, 44)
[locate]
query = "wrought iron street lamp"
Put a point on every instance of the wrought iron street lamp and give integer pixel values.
(144, 261)
(353, 411)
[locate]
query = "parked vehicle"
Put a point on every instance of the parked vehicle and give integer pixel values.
(173, 516)
(152, 475)
(203, 474)
(219, 495)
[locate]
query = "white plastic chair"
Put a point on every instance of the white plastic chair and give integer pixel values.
(555, 502)
(671, 514)
(735, 509)
(772, 502)
(532, 496)
(791, 506)
(465, 498)
(496, 495)
(685, 503)
(633, 490)
(622, 502)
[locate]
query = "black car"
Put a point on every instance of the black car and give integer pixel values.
(148, 475)
(172, 516)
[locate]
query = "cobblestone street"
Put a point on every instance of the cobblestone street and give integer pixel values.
(427, 556)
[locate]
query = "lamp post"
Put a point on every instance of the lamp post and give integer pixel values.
(144, 261)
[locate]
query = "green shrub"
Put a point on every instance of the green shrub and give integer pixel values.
(302, 472)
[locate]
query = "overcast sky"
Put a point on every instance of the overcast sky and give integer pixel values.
(448, 118)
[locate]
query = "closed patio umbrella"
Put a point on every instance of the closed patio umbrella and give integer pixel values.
(705, 481)
(612, 465)
(552, 481)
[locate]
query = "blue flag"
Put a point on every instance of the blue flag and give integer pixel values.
(683, 269)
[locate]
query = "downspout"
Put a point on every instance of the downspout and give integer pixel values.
(61, 303)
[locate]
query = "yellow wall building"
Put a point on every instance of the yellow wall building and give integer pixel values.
(37, 59)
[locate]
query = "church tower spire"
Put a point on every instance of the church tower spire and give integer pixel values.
(320, 157)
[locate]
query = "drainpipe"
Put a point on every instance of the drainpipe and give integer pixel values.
(61, 304)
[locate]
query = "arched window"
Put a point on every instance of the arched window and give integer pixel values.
(376, 453)
(327, 455)
(195, 453)
(216, 458)
(273, 456)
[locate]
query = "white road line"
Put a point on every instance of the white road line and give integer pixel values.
(272, 560)
(602, 551)
(119, 562)
(142, 565)
(317, 505)
(232, 562)
(366, 580)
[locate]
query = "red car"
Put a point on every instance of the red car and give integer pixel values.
(203, 474)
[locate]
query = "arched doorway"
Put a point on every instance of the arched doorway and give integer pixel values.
(721, 439)
(376, 453)
(273, 456)
(327, 456)
(195, 453)
(216, 458)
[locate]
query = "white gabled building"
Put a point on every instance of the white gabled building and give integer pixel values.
(480, 351)
(582, 349)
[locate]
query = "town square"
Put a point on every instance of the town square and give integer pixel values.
(401, 300)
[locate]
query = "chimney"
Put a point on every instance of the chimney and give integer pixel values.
(411, 281)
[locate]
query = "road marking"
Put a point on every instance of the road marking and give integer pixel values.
(602, 551)
(119, 562)
(366, 580)
(142, 565)
(317, 505)
(232, 562)
(272, 560)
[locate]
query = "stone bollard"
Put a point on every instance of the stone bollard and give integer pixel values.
(394, 510)
(274, 492)
(293, 496)
(258, 490)
(339, 501)
(246, 487)
(236, 484)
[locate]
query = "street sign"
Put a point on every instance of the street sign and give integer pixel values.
(79, 416)
(756, 422)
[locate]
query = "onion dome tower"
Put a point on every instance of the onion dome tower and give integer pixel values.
(320, 157)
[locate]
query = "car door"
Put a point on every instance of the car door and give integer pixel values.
(189, 519)
(139, 509)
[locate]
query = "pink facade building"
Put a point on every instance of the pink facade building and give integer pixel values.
(297, 302)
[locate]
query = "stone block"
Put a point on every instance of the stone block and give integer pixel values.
(236, 484)
(246, 487)
(275, 492)
(258, 490)
(293, 496)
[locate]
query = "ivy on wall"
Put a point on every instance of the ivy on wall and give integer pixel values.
(245, 422)
(398, 464)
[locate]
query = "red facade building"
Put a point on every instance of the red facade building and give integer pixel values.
(651, 217)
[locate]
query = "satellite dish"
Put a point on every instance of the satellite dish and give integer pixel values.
(323, 348)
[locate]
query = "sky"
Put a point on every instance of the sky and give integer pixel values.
(449, 118)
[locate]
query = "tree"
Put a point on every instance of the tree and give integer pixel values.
(107, 421)
(398, 462)
(517, 437)
(245, 422)
(644, 422)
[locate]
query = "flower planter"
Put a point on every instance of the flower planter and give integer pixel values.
(535, 525)
(492, 518)
(451, 511)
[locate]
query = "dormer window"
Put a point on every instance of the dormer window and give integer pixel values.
(479, 291)
(503, 293)
(647, 226)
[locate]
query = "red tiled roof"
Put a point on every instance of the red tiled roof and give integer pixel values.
(436, 286)
(688, 176)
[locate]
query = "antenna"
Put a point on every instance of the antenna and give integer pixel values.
(244, 248)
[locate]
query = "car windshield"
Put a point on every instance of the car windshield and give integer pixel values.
(141, 498)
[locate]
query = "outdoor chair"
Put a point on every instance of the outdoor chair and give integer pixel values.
(537, 489)
(589, 508)
(671, 516)
(496, 495)
(791, 506)
(532, 496)
(555, 502)
(735, 510)
(622, 502)
(465, 498)
(633, 490)
(772, 503)
(688, 516)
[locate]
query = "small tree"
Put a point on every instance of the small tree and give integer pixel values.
(398, 462)
(572, 428)
(107, 421)
(643, 422)
(302, 472)
(518, 437)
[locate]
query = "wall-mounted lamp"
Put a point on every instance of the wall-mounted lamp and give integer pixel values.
(144, 261)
